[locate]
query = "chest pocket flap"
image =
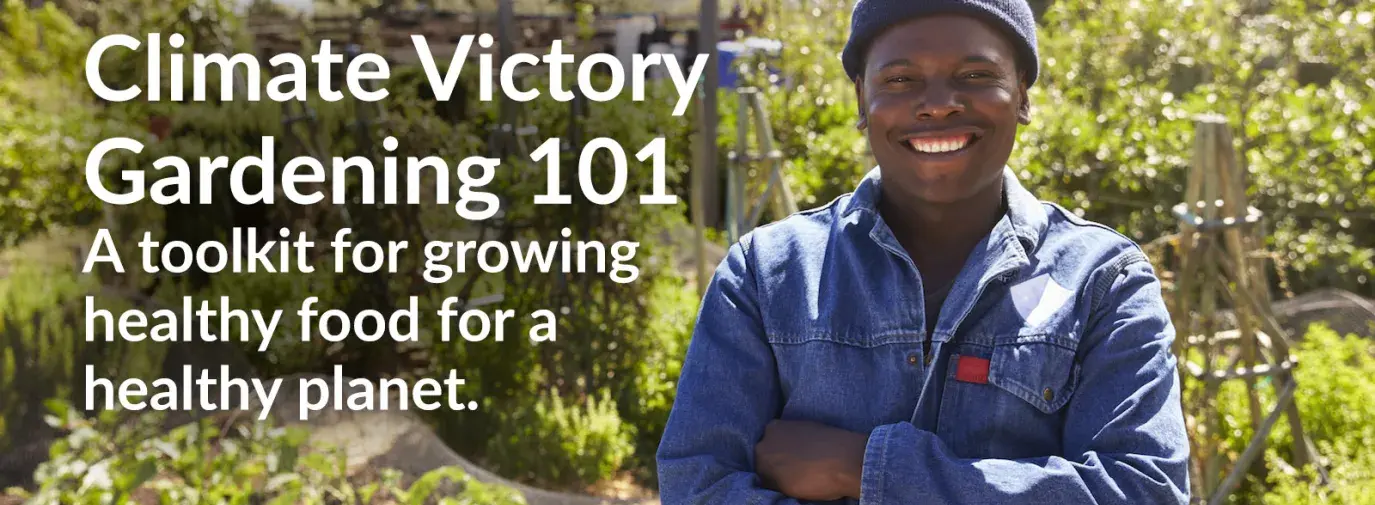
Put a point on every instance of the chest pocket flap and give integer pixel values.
(1039, 369)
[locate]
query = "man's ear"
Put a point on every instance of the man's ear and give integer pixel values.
(1024, 108)
(859, 95)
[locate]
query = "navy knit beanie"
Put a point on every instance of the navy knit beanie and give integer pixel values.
(872, 17)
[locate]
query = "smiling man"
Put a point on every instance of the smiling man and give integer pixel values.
(939, 335)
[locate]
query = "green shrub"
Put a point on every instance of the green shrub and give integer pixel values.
(106, 460)
(43, 92)
(1111, 133)
(551, 442)
(1336, 398)
(649, 398)
(50, 123)
(42, 346)
(1351, 481)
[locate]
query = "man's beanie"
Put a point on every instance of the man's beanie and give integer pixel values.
(872, 17)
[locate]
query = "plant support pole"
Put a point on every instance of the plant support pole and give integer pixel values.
(506, 21)
(709, 25)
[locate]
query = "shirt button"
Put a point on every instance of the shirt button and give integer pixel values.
(912, 359)
(1048, 394)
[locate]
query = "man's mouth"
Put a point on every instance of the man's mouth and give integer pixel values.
(942, 144)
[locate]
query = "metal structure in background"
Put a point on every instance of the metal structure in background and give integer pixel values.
(744, 209)
(1220, 262)
(704, 195)
(507, 136)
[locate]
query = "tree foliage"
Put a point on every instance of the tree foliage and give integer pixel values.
(1111, 135)
(615, 340)
(1337, 401)
(1111, 139)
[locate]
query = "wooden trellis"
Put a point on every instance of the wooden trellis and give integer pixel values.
(1221, 264)
(744, 210)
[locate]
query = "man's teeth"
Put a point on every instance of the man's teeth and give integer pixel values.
(940, 145)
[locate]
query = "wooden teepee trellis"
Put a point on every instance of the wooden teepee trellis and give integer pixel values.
(1220, 263)
(744, 210)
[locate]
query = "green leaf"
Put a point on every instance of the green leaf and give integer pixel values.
(144, 470)
(58, 407)
(427, 484)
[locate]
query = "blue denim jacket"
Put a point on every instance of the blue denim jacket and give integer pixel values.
(1050, 378)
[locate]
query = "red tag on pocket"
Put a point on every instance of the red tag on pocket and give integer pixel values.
(972, 369)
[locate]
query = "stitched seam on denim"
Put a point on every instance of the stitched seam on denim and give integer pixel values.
(1119, 265)
(816, 215)
(991, 341)
(1066, 343)
(1012, 385)
(870, 483)
(883, 459)
(831, 205)
(1075, 220)
(751, 269)
(1015, 389)
(1130, 256)
(983, 342)
(859, 342)
(950, 395)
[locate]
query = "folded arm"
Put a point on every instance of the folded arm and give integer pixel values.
(728, 392)
(1124, 438)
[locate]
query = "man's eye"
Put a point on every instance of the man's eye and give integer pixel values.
(897, 78)
(978, 75)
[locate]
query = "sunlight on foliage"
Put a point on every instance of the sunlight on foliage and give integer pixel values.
(1336, 399)
(110, 460)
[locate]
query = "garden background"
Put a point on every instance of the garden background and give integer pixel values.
(1111, 138)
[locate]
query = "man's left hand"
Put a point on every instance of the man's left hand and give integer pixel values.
(811, 461)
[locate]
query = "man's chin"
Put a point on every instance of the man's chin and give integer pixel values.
(942, 182)
(942, 196)
(940, 187)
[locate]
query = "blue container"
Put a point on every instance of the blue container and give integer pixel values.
(730, 50)
(725, 64)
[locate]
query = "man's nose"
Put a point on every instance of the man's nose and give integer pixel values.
(939, 101)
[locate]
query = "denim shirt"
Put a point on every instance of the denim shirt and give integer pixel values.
(1050, 377)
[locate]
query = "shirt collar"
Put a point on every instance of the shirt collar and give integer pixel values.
(999, 256)
(1024, 211)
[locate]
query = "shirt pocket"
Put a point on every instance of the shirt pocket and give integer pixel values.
(1014, 410)
(1039, 369)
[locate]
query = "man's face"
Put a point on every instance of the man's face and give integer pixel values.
(941, 99)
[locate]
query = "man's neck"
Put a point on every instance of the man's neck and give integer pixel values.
(940, 235)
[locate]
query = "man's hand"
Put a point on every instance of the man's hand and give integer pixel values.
(811, 461)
